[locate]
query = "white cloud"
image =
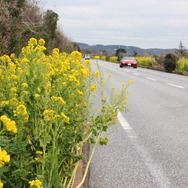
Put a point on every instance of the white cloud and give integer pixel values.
(143, 23)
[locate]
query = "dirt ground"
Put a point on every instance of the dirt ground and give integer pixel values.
(81, 169)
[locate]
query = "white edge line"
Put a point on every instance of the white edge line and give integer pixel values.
(136, 74)
(150, 78)
(123, 122)
(174, 85)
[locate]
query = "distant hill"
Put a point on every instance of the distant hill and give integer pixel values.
(130, 49)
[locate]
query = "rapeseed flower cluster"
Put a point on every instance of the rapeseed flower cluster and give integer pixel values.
(45, 103)
(9, 124)
(35, 184)
(4, 157)
(43, 98)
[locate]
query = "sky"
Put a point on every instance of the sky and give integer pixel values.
(140, 23)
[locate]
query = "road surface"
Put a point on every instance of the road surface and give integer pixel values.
(149, 149)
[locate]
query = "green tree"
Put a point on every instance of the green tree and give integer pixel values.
(170, 62)
(50, 22)
(182, 52)
(120, 53)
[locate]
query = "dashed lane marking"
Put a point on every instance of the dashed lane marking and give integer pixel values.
(174, 85)
(150, 78)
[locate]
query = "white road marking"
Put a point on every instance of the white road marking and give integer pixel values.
(136, 74)
(174, 85)
(155, 170)
(150, 78)
(123, 122)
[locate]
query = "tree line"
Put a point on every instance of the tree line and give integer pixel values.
(23, 19)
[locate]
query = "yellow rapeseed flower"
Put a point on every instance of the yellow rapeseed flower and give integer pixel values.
(24, 60)
(93, 87)
(49, 115)
(80, 92)
(3, 103)
(13, 89)
(11, 126)
(97, 73)
(131, 81)
(66, 118)
(21, 112)
(113, 87)
(1, 184)
(36, 183)
(88, 62)
(5, 58)
(41, 42)
(39, 152)
(25, 92)
(37, 95)
(24, 84)
(32, 41)
(4, 157)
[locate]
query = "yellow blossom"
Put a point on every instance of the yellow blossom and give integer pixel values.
(123, 84)
(97, 73)
(80, 92)
(14, 89)
(32, 41)
(25, 92)
(66, 118)
(36, 183)
(39, 152)
(11, 126)
(24, 60)
(38, 159)
(41, 42)
(5, 58)
(4, 157)
(12, 55)
(3, 103)
(37, 95)
(64, 83)
(24, 84)
(110, 75)
(59, 99)
(88, 62)
(38, 90)
(131, 81)
(49, 115)
(1, 184)
(93, 87)
(113, 87)
(21, 112)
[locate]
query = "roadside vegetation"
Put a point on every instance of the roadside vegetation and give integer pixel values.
(22, 19)
(47, 115)
(176, 62)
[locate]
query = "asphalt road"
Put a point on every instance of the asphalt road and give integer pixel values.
(149, 148)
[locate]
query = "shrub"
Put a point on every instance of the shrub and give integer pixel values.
(145, 62)
(103, 58)
(182, 66)
(170, 62)
(113, 59)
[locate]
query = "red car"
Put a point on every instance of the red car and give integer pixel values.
(128, 62)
